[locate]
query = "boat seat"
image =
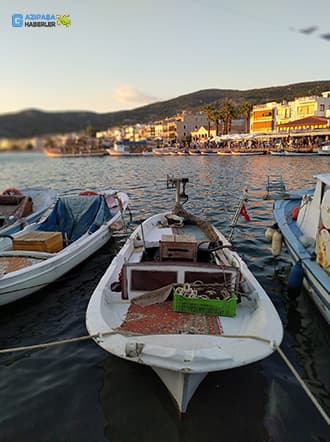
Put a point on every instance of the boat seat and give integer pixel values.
(141, 277)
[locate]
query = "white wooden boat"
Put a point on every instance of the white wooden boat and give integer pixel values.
(324, 149)
(81, 153)
(43, 252)
(307, 238)
(224, 152)
(20, 207)
(126, 148)
(293, 153)
(248, 152)
(182, 348)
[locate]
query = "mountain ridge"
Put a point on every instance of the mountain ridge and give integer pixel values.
(33, 122)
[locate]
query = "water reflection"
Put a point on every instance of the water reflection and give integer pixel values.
(261, 402)
(227, 406)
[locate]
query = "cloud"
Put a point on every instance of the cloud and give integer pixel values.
(325, 36)
(308, 30)
(131, 97)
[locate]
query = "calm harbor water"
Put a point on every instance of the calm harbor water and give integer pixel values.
(80, 393)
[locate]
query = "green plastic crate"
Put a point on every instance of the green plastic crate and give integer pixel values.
(204, 306)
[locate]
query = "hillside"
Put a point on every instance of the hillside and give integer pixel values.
(32, 122)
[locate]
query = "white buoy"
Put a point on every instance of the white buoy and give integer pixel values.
(276, 243)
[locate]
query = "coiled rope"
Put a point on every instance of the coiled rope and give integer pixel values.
(99, 337)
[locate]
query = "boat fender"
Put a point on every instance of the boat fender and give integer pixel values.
(269, 233)
(295, 212)
(277, 243)
(323, 249)
(133, 349)
(12, 191)
(295, 280)
(88, 193)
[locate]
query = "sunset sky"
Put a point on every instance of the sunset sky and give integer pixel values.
(121, 55)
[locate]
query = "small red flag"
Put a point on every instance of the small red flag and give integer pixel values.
(245, 213)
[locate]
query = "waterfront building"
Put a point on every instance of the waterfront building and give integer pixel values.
(237, 126)
(304, 107)
(178, 128)
(154, 130)
(305, 124)
(263, 117)
(201, 134)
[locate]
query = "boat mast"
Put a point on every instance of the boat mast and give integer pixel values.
(178, 183)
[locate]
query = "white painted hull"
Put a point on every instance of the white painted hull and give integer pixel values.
(21, 283)
(242, 153)
(181, 385)
(182, 360)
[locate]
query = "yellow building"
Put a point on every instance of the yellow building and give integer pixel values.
(308, 123)
(283, 113)
(202, 134)
(263, 117)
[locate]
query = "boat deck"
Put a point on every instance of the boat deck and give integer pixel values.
(161, 319)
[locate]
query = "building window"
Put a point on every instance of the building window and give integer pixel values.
(322, 107)
(184, 126)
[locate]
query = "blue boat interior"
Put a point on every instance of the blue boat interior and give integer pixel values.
(76, 215)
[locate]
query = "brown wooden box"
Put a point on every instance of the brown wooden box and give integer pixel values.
(178, 247)
(39, 242)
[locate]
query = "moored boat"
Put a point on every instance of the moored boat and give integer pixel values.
(324, 149)
(155, 302)
(248, 152)
(20, 207)
(293, 152)
(208, 151)
(127, 148)
(60, 153)
(307, 238)
(224, 152)
(194, 152)
(41, 253)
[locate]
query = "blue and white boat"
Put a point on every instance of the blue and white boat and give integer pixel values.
(77, 227)
(307, 237)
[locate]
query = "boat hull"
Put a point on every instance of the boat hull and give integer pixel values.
(181, 385)
(315, 278)
(21, 283)
(181, 360)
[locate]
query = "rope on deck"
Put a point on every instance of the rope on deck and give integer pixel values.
(99, 336)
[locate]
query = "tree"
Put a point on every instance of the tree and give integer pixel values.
(245, 111)
(209, 112)
(216, 118)
(228, 112)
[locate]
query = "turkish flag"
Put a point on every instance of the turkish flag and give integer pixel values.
(245, 213)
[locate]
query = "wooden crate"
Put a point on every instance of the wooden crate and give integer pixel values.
(39, 242)
(178, 247)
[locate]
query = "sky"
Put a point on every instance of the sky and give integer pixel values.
(124, 54)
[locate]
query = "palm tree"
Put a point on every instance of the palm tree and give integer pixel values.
(216, 118)
(245, 111)
(228, 112)
(209, 111)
